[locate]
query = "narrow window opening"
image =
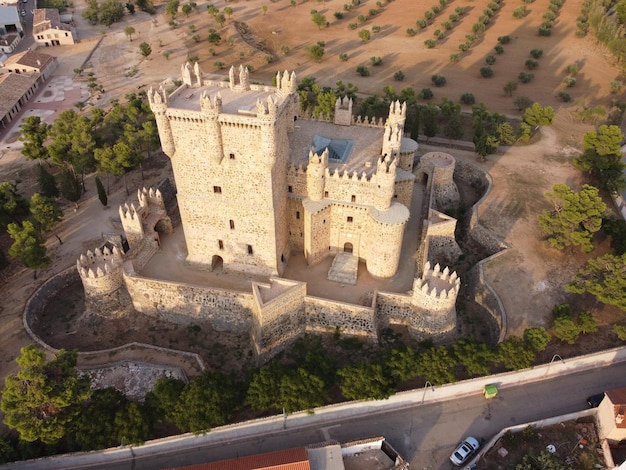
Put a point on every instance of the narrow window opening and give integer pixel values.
(325, 193)
(217, 189)
(232, 224)
(353, 198)
(297, 214)
(290, 189)
(232, 156)
(220, 244)
(350, 219)
(250, 250)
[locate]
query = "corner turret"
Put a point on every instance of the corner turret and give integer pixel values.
(343, 111)
(315, 174)
(385, 179)
(158, 104)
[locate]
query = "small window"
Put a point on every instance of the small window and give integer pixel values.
(325, 193)
(324, 221)
(217, 189)
(353, 198)
(250, 251)
(395, 196)
(232, 156)
(232, 224)
(282, 258)
(350, 219)
(297, 214)
(290, 189)
(220, 243)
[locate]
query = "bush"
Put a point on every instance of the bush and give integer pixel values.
(486, 72)
(616, 86)
(343, 57)
(569, 81)
(453, 17)
(365, 35)
(426, 94)
(376, 29)
(543, 31)
(519, 12)
(525, 77)
(459, 10)
(439, 34)
(455, 57)
(499, 49)
(536, 53)
(429, 15)
(446, 25)
(549, 16)
(504, 39)
(564, 96)
(361, 18)
(376, 61)
(421, 24)
(353, 26)
(430, 43)
(338, 15)
(363, 71)
(572, 69)
(411, 32)
(464, 47)
(438, 80)
(398, 76)
(373, 12)
(478, 27)
(620, 331)
(490, 59)
(531, 64)
(436, 9)
(468, 98)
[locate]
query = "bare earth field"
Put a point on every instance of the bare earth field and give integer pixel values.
(529, 278)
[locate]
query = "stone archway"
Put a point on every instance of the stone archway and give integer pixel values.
(348, 248)
(217, 263)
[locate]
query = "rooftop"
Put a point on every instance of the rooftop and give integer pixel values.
(233, 101)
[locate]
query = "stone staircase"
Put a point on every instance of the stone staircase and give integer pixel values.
(344, 269)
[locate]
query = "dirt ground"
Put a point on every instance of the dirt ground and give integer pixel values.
(529, 278)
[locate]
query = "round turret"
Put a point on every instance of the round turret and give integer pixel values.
(316, 174)
(439, 167)
(385, 231)
(385, 182)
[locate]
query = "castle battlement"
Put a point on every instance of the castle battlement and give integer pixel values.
(99, 263)
(437, 283)
(151, 199)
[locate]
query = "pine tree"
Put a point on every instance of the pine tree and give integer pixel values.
(102, 194)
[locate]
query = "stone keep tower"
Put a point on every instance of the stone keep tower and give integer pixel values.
(102, 276)
(229, 147)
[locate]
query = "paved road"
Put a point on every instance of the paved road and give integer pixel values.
(423, 434)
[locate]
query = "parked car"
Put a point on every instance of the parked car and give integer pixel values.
(464, 450)
(23, 12)
(594, 400)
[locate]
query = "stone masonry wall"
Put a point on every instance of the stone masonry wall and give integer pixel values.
(352, 320)
(183, 303)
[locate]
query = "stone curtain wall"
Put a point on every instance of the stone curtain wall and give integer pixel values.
(352, 320)
(183, 303)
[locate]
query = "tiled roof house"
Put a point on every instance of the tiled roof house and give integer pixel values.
(48, 30)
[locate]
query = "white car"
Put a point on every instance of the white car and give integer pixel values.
(464, 450)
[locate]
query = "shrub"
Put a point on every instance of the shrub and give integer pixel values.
(430, 43)
(219, 65)
(376, 29)
(569, 81)
(455, 57)
(486, 72)
(347, 7)
(365, 35)
(436, 9)
(411, 32)
(439, 34)
(464, 47)
(438, 80)
(543, 31)
(421, 23)
(620, 331)
(564, 96)
(338, 15)
(519, 12)
(572, 69)
(376, 61)
(549, 16)
(499, 49)
(478, 27)
(363, 71)
(269, 59)
(509, 88)
(446, 25)
(353, 26)
(361, 18)
(398, 76)
(429, 15)
(536, 53)
(490, 59)
(616, 86)
(426, 94)
(459, 10)
(343, 57)
(468, 98)
(373, 12)
(522, 102)
(284, 49)
(453, 17)
(531, 64)
(504, 39)
(525, 77)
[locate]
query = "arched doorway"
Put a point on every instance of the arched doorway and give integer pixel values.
(347, 247)
(217, 263)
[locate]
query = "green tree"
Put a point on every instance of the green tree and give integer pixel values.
(264, 390)
(46, 182)
(602, 156)
(220, 19)
(171, 8)
(604, 278)
(616, 229)
(12, 204)
(566, 329)
(102, 194)
(365, 35)
(586, 323)
(208, 401)
(129, 31)
(366, 381)
(575, 217)
(118, 160)
(145, 49)
(428, 118)
(28, 246)
(43, 399)
(133, 424)
(164, 398)
(187, 9)
(620, 331)
(537, 338)
(45, 213)
(228, 11)
(33, 133)
(319, 19)
(537, 115)
(110, 11)
(437, 365)
(91, 13)
(401, 363)
(515, 354)
(70, 186)
(302, 390)
(316, 52)
(510, 87)
(95, 428)
(474, 356)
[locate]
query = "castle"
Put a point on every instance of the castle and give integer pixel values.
(257, 182)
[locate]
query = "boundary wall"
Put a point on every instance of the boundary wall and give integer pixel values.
(276, 424)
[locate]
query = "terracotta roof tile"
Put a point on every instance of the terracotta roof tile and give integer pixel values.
(290, 459)
(12, 88)
(30, 59)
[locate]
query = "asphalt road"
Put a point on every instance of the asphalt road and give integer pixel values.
(424, 434)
